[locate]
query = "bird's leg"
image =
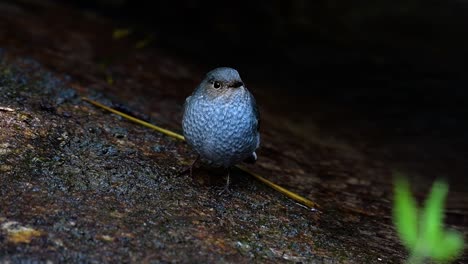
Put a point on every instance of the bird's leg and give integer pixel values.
(190, 169)
(228, 181)
(193, 164)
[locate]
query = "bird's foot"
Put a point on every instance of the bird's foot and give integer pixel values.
(189, 169)
(225, 191)
(226, 187)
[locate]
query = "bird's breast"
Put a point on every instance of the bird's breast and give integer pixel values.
(220, 130)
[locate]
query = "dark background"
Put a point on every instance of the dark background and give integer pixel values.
(388, 76)
(342, 44)
(395, 69)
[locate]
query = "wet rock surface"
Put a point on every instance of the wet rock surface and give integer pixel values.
(81, 185)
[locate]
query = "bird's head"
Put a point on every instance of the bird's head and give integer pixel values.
(222, 81)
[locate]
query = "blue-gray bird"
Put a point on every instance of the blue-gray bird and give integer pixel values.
(221, 121)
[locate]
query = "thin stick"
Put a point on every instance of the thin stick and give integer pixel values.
(292, 195)
(136, 120)
(6, 109)
(296, 197)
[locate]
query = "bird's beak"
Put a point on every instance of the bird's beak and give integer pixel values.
(237, 84)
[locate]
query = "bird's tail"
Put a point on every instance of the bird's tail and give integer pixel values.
(251, 159)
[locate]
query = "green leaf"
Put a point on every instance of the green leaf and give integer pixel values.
(450, 247)
(432, 218)
(405, 213)
(426, 238)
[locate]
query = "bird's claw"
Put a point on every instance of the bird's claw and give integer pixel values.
(225, 191)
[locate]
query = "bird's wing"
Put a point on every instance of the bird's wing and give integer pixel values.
(187, 100)
(255, 110)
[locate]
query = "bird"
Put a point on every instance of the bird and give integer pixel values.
(221, 121)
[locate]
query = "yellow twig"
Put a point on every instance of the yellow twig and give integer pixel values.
(270, 184)
(296, 197)
(136, 120)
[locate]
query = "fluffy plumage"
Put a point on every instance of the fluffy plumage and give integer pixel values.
(221, 120)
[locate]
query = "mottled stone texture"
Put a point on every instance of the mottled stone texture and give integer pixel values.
(78, 184)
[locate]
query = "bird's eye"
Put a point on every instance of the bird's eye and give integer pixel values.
(216, 85)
